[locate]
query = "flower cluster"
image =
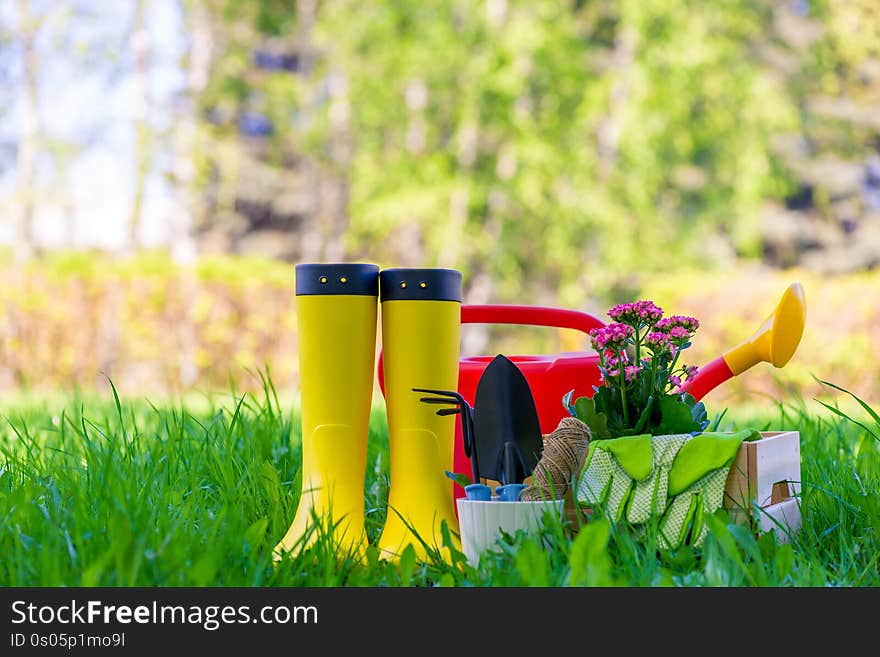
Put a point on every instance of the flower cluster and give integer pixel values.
(639, 364)
(671, 335)
(611, 363)
(613, 337)
(641, 325)
(638, 314)
(686, 373)
(688, 324)
(657, 342)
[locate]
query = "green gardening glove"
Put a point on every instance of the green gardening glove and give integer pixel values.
(696, 485)
(629, 475)
(649, 497)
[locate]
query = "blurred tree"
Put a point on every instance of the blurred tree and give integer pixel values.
(28, 143)
(252, 177)
(186, 136)
(140, 47)
(832, 220)
(548, 145)
(46, 45)
(543, 147)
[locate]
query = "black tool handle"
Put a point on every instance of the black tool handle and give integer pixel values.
(511, 466)
(467, 430)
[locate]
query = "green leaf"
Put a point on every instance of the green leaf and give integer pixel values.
(743, 536)
(204, 570)
(700, 416)
(865, 406)
(407, 565)
(446, 581)
(372, 556)
(458, 557)
(840, 413)
(784, 561)
(270, 479)
(566, 402)
(720, 531)
(643, 418)
(585, 411)
(675, 417)
(717, 421)
(589, 563)
(532, 563)
(254, 534)
(459, 478)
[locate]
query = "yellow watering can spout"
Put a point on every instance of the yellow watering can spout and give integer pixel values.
(778, 337)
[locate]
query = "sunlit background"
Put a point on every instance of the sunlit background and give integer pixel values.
(163, 163)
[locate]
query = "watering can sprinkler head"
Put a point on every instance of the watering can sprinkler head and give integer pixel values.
(774, 342)
(778, 337)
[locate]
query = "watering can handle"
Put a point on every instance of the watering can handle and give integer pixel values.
(530, 316)
(523, 315)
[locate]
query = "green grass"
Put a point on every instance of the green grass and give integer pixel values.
(127, 493)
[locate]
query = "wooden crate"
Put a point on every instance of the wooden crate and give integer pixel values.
(783, 518)
(767, 473)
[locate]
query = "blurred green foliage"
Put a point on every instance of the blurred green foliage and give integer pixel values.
(551, 150)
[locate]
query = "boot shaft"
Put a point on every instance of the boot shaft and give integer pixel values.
(421, 326)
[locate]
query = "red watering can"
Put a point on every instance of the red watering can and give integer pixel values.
(551, 377)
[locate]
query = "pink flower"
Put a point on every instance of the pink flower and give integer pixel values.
(640, 313)
(621, 312)
(679, 337)
(657, 342)
(675, 381)
(610, 373)
(613, 337)
(689, 324)
(632, 372)
(612, 364)
(691, 372)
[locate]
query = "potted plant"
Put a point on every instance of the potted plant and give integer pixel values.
(642, 373)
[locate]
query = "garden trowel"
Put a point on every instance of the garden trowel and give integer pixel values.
(507, 432)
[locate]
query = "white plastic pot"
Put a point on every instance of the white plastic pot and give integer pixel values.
(481, 523)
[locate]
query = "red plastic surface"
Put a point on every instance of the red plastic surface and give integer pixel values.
(708, 378)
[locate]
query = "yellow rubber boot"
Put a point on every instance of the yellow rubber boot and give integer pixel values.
(421, 327)
(336, 309)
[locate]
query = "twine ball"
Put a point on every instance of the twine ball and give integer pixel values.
(564, 452)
